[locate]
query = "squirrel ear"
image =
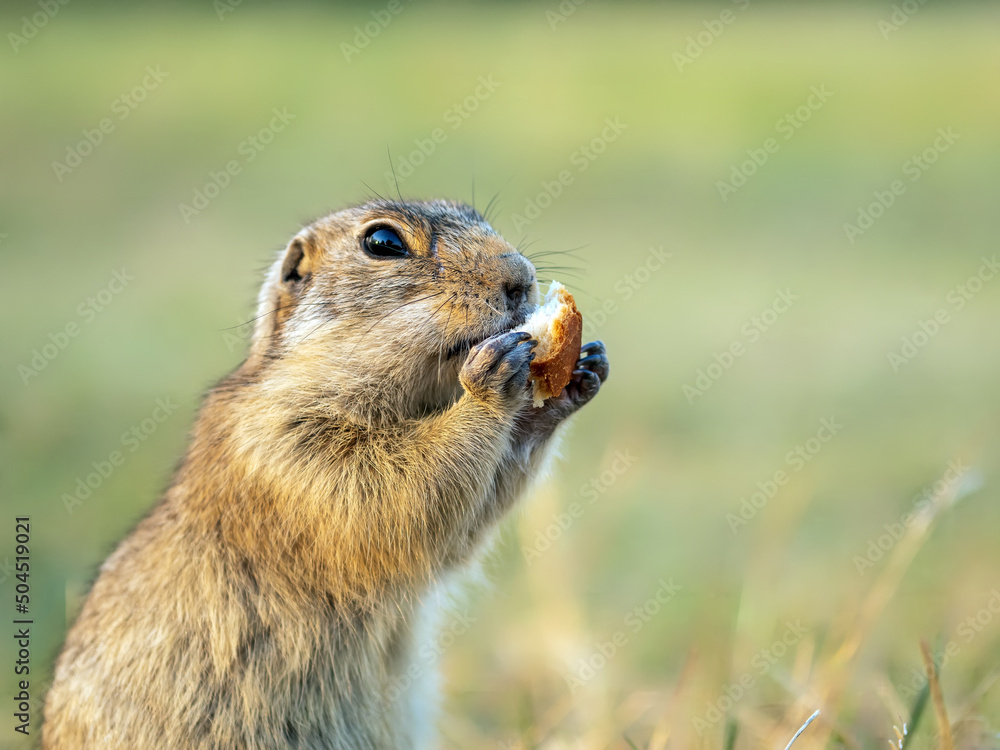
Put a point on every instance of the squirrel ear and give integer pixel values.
(285, 282)
(300, 258)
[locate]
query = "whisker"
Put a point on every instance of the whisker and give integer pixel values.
(435, 310)
(454, 295)
(490, 206)
(394, 179)
(548, 253)
(490, 306)
(547, 271)
(523, 244)
(577, 290)
(374, 191)
(272, 312)
(557, 267)
(395, 309)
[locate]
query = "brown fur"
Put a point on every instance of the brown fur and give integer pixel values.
(334, 484)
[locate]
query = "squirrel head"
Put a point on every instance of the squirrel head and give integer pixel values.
(375, 307)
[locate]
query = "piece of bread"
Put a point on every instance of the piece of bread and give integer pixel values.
(558, 327)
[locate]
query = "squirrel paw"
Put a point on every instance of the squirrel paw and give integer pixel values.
(588, 376)
(496, 370)
(591, 371)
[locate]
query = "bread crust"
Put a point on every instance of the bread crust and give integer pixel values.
(553, 372)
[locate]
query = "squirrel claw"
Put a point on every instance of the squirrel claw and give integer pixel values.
(497, 368)
(589, 375)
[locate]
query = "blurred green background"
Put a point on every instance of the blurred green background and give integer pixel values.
(669, 273)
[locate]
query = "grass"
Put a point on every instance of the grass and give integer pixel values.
(820, 677)
(820, 600)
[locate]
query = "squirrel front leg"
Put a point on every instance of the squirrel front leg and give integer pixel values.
(387, 508)
(533, 432)
(476, 458)
(465, 449)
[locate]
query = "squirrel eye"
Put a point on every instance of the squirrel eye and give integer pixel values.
(382, 242)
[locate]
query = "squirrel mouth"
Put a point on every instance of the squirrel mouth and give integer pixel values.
(464, 344)
(469, 340)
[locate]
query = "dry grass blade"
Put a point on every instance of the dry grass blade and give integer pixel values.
(890, 698)
(802, 728)
(987, 682)
(900, 737)
(939, 708)
(663, 730)
(836, 670)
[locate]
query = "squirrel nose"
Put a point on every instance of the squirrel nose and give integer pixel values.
(516, 293)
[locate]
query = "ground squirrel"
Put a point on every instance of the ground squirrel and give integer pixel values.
(334, 484)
